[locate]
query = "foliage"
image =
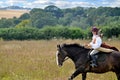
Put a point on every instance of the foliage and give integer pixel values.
(24, 16)
(6, 23)
(41, 18)
(110, 32)
(50, 32)
(79, 17)
(26, 33)
(57, 12)
(106, 18)
(18, 33)
(24, 23)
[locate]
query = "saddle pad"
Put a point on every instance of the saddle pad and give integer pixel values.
(105, 50)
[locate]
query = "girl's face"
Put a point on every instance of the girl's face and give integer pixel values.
(94, 33)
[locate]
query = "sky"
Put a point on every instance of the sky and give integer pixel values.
(60, 3)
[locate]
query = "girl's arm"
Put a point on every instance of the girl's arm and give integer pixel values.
(94, 40)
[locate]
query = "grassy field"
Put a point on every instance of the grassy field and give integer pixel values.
(35, 60)
(11, 13)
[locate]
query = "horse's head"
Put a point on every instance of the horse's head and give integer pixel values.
(73, 51)
(61, 54)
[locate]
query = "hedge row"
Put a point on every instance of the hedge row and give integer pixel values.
(44, 33)
(28, 33)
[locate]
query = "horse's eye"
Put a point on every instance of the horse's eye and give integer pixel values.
(58, 54)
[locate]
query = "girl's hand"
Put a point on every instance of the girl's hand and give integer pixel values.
(87, 46)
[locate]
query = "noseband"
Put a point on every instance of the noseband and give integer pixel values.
(66, 57)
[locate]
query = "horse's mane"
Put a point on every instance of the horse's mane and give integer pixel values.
(73, 45)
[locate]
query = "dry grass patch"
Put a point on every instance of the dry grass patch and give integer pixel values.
(12, 13)
(35, 60)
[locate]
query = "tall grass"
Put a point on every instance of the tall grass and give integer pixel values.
(35, 60)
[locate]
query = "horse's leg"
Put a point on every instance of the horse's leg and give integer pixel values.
(84, 76)
(77, 72)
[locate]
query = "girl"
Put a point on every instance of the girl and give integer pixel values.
(95, 44)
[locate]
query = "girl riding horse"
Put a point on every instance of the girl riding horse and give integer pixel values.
(94, 44)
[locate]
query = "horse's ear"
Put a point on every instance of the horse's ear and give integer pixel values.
(58, 46)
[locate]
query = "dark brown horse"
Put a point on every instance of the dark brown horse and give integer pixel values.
(79, 55)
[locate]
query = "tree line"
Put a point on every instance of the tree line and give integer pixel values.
(75, 22)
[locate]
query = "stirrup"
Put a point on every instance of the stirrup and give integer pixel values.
(93, 65)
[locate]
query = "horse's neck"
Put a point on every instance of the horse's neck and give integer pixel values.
(77, 54)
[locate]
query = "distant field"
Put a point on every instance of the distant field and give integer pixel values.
(35, 60)
(11, 13)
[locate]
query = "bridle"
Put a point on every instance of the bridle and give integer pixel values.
(66, 58)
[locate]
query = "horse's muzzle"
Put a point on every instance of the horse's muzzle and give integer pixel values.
(60, 65)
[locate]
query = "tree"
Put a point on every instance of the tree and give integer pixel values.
(6, 23)
(24, 23)
(66, 20)
(40, 18)
(16, 20)
(57, 12)
(24, 16)
(34, 10)
(78, 11)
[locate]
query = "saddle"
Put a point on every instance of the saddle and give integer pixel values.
(107, 49)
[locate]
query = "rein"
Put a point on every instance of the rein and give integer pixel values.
(66, 59)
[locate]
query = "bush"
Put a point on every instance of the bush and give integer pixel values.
(27, 33)
(18, 33)
(109, 32)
